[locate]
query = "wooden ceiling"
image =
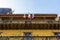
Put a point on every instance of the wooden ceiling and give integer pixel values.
(35, 15)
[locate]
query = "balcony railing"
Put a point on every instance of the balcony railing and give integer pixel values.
(30, 38)
(34, 22)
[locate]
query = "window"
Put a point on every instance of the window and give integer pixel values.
(57, 34)
(27, 36)
(49, 21)
(28, 22)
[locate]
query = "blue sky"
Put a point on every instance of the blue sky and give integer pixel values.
(32, 6)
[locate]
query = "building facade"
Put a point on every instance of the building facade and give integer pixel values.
(29, 27)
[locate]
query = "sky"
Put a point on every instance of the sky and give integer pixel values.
(32, 6)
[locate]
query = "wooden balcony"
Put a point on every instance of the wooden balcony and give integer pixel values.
(32, 25)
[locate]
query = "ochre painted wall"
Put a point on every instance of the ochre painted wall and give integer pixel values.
(33, 32)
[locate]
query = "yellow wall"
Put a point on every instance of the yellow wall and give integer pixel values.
(33, 32)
